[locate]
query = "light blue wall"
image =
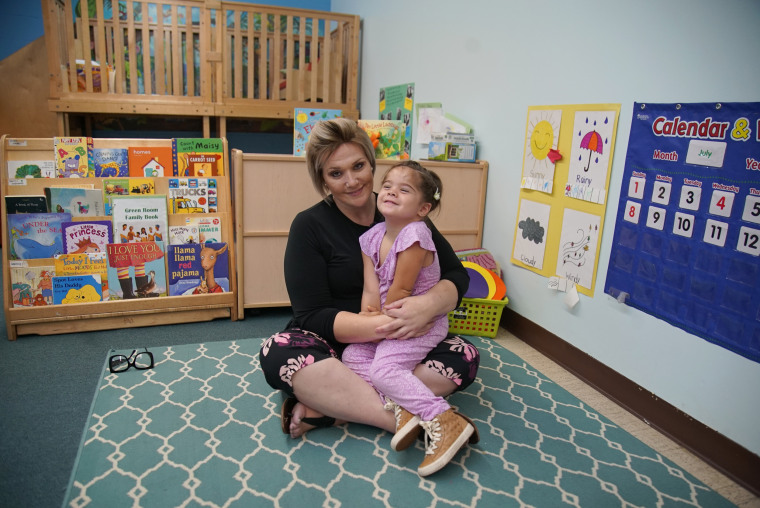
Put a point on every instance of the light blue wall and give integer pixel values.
(488, 61)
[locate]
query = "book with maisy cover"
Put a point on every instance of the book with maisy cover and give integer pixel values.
(199, 157)
(35, 235)
(136, 270)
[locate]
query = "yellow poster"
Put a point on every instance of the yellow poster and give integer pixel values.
(567, 161)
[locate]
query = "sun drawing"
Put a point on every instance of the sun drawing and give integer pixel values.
(543, 129)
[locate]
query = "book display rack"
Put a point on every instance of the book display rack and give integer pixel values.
(112, 314)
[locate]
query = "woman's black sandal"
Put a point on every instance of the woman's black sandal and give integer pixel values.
(286, 414)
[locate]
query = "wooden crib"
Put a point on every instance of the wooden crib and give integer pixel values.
(201, 58)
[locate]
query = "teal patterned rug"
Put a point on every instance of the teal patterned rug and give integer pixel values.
(203, 429)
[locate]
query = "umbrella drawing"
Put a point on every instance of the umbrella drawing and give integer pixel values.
(592, 142)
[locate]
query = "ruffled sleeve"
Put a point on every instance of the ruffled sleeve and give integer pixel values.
(412, 233)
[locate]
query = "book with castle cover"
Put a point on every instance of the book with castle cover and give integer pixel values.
(209, 228)
(32, 286)
(110, 162)
(192, 195)
(25, 204)
(304, 120)
(78, 202)
(150, 161)
(136, 270)
(196, 269)
(73, 157)
(86, 236)
(94, 263)
(139, 218)
(198, 157)
(35, 235)
(31, 169)
(387, 137)
(68, 289)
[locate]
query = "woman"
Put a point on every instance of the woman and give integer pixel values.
(324, 278)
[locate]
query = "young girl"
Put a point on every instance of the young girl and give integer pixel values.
(400, 260)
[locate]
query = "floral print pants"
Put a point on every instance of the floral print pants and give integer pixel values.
(284, 353)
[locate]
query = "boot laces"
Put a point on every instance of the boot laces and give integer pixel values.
(432, 435)
(392, 406)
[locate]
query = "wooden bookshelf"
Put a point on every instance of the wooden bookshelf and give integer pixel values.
(269, 190)
(80, 317)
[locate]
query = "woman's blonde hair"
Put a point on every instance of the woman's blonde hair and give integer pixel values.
(326, 137)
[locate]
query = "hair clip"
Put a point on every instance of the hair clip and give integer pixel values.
(437, 195)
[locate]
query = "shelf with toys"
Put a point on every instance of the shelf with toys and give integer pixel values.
(139, 297)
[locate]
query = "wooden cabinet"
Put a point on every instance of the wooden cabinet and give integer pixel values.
(269, 190)
(81, 317)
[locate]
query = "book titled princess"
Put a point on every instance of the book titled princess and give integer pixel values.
(86, 236)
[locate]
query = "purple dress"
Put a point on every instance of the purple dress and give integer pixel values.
(387, 365)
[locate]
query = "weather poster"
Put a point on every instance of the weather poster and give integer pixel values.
(567, 159)
(541, 150)
(590, 155)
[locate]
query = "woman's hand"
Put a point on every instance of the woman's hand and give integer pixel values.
(412, 318)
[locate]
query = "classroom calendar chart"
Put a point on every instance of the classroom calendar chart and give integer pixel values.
(686, 247)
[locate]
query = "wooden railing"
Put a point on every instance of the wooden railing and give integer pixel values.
(198, 58)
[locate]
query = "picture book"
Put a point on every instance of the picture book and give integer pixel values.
(183, 234)
(125, 187)
(192, 195)
(32, 286)
(69, 289)
(196, 269)
(35, 235)
(73, 157)
(201, 157)
(150, 161)
(84, 264)
(110, 162)
(25, 204)
(209, 228)
(387, 137)
(31, 169)
(139, 218)
(86, 236)
(76, 201)
(136, 270)
(397, 103)
(304, 120)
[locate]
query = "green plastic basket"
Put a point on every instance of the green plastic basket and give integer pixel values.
(477, 316)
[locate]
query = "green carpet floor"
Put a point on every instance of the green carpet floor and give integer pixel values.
(202, 429)
(46, 389)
